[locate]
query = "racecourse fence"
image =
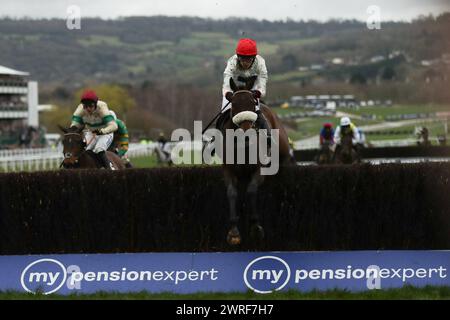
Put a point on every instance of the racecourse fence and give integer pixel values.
(385, 152)
(185, 209)
(41, 159)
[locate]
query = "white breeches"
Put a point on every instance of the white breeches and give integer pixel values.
(98, 143)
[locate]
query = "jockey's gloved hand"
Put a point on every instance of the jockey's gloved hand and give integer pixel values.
(229, 95)
(256, 94)
(98, 131)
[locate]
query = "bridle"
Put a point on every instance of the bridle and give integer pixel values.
(70, 160)
(248, 92)
(247, 115)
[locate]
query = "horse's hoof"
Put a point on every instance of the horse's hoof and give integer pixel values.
(233, 237)
(257, 233)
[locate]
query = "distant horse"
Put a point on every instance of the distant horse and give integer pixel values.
(163, 155)
(77, 157)
(423, 137)
(325, 155)
(345, 153)
(248, 176)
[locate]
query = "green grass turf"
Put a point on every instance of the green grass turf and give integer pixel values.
(383, 111)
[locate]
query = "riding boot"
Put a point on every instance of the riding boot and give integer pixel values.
(105, 161)
(128, 164)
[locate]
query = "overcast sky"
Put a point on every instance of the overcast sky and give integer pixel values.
(258, 9)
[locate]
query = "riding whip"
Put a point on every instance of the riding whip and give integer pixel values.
(203, 132)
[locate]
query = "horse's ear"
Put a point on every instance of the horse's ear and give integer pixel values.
(65, 130)
(251, 82)
(233, 85)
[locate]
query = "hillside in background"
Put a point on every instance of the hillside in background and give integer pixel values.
(172, 67)
(152, 49)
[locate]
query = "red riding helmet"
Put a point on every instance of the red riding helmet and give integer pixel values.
(246, 47)
(327, 125)
(89, 95)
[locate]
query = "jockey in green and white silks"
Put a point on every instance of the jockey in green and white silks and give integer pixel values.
(120, 141)
(121, 138)
(95, 116)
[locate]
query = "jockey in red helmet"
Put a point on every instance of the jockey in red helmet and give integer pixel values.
(327, 134)
(243, 67)
(245, 64)
(95, 116)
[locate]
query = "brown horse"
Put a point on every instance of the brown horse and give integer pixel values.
(77, 157)
(325, 155)
(247, 176)
(346, 153)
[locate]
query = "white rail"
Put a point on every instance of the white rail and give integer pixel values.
(50, 158)
(393, 143)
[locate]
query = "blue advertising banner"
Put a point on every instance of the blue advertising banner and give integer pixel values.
(261, 272)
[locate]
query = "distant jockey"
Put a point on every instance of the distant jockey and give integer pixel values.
(327, 134)
(121, 141)
(346, 127)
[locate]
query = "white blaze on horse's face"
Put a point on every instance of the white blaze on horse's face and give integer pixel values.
(244, 116)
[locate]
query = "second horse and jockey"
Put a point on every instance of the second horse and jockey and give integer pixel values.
(94, 130)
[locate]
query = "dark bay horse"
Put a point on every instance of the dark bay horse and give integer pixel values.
(76, 156)
(243, 180)
(325, 155)
(346, 153)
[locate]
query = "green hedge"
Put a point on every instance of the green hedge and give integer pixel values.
(385, 152)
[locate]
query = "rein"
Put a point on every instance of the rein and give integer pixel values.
(76, 158)
(223, 108)
(210, 123)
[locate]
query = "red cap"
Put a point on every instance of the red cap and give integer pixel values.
(246, 47)
(89, 95)
(327, 125)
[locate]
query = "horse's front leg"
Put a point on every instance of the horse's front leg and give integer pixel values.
(256, 230)
(233, 236)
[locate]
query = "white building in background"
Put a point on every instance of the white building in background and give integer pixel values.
(337, 61)
(18, 105)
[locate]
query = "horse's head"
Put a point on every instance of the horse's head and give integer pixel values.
(347, 152)
(243, 110)
(347, 138)
(73, 145)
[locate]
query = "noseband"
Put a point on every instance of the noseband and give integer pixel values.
(245, 115)
(70, 160)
